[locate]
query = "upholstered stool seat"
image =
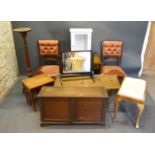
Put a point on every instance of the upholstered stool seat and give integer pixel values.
(114, 70)
(133, 90)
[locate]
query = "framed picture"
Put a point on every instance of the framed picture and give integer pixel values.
(76, 62)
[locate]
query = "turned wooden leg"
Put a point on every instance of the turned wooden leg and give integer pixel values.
(26, 93)
(141, 108)
(32, 100)
(27, 97)
(116, 104)
(23, 89)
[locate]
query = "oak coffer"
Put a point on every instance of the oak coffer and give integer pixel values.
(72, 105)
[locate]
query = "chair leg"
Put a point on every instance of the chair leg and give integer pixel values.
(141, 108)
(116, 104)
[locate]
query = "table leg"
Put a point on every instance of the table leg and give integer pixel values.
(24, 89)
(27, 97)
(32, 100)
(26, 93)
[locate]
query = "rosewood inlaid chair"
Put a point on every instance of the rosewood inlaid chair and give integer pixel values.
(49, 50)
(112, 50)
(132, 90)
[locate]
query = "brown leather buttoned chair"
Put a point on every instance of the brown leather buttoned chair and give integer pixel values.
(112, 50)
(49, 50)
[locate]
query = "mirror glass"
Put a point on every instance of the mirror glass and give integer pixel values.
(76, 62)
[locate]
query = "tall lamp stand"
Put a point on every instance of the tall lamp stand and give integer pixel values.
(23, 32)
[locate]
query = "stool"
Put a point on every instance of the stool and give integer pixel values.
(133, 90)
(33, 83)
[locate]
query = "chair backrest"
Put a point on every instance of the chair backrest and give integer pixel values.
(112, 49)
(49, 48)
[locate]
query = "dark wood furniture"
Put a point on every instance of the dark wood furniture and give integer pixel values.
(72, 105)
(23, 32)
(97, 64)
(30, 85)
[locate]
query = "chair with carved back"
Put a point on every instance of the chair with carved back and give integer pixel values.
(112, 50)
(49, 50)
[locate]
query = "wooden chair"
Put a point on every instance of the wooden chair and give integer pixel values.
(133, 90)
(112, 50)
(49, 50)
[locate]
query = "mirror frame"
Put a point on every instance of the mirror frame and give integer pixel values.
(77, 73)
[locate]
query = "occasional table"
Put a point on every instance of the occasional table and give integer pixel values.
(33, 83)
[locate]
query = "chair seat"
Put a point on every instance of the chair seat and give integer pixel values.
(113, 70)
(52, 70)
(133, 88)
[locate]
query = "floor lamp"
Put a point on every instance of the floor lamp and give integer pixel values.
(23, 32)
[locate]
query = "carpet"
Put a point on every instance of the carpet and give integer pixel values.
(16, 116)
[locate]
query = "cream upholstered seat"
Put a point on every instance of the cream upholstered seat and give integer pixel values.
(133, 90)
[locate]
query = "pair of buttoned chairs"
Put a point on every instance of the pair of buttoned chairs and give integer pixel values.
(50, 50)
